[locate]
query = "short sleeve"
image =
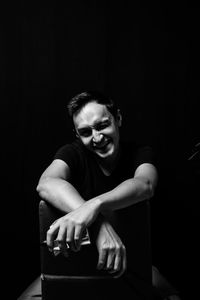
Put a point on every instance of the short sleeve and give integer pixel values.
(144, 154)
(69, 154)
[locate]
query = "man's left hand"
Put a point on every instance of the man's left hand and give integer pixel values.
(69, 228)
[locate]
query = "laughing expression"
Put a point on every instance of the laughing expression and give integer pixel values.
(98, 130)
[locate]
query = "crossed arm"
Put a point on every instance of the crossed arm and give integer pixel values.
(55, 188)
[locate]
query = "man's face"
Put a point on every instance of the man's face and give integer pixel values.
(98, 130)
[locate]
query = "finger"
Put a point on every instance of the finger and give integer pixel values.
(117, 262)
(70, 237)
(61, 234)
(110, 259)
(61, 238)
(124, 261)
(50, 236)
(78, 237)
(122, 264)
(54, 223)
(102, 259)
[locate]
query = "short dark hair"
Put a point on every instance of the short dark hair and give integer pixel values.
(80, 100)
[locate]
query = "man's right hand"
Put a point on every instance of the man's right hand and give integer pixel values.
(112, 252)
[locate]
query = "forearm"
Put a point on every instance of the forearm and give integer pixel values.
(60, 193)
(125, 194)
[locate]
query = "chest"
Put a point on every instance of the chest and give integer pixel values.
(93, 181)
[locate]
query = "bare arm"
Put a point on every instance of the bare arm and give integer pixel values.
(54, 187)
(139, 188)
(130, 191)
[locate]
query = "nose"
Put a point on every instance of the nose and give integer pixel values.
(97, 137)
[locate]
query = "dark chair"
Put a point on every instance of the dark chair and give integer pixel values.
(77, 276)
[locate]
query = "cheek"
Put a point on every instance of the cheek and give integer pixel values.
(109, 131)
(114, 132)
(116, 136)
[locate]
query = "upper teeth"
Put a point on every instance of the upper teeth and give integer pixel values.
(101, 146)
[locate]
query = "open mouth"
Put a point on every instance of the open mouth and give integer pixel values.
(102, 147)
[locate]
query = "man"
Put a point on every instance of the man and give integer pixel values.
(94, 178)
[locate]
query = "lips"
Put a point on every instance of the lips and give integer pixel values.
(102, 146)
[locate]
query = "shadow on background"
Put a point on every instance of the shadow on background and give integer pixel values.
(146, 56)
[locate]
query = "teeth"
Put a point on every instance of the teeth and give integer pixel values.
(102, 146)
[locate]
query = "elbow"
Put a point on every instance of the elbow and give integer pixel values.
(39, 187)
(146, 188)
(42, 187)
(40, 190)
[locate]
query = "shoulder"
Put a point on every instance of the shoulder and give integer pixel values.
(75, 155)
(71, 153)
(73, 148)
(135, 149)
(138, 153)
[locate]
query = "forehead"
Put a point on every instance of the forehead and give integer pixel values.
(90, 114)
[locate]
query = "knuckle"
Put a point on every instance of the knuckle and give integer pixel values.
(70, 221)
(118, 248)
(68, 240)
(104, 247)
(112, 248)
(78, 222)
(64, 222)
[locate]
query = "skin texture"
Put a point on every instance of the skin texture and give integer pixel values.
(98, 130)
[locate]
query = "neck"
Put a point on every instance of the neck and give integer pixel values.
(109, 164)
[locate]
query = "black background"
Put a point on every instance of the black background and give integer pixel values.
(146, 56)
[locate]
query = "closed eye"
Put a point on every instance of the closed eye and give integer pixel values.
(102, 126)
(85, 132)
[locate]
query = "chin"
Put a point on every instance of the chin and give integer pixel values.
(102, 155)
(106, 155)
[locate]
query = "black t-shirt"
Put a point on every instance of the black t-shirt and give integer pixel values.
(132, 225)
(86, 175)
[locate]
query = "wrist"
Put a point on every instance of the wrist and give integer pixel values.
(95, 227)
(97, 204)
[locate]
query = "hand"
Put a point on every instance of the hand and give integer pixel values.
(69, 228)
(112, 252)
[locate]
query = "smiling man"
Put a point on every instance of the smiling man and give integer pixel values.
(98, 130)
(94, 178)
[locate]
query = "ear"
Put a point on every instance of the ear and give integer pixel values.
(75, 133)
(119, 118)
